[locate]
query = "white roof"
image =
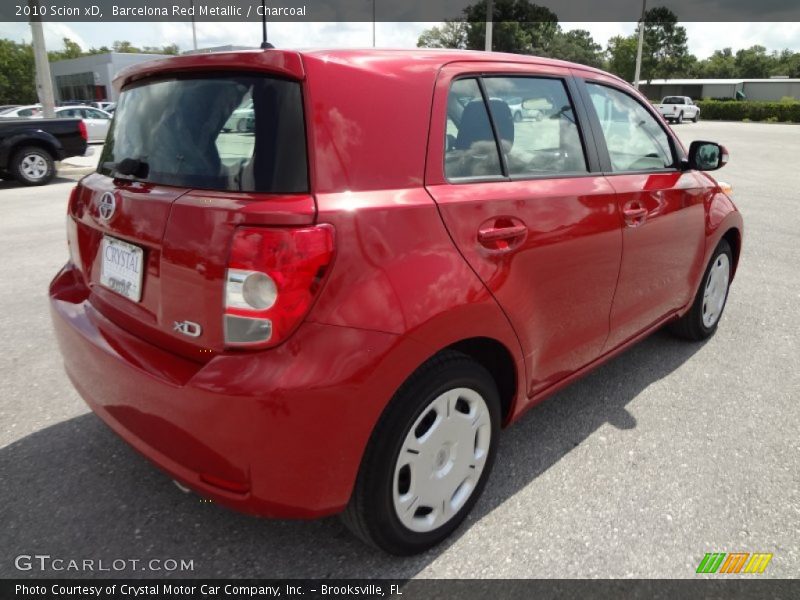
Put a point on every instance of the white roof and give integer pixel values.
(717, 81)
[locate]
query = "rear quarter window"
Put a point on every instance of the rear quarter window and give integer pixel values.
(218, 132)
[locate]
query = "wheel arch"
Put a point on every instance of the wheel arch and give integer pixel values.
(734, 238)
(34, 143)
(496, 358)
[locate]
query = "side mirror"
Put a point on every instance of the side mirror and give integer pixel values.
(707, 156)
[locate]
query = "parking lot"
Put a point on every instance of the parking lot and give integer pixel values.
(669, 451)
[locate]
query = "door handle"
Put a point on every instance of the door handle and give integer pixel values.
(502, 234)
(635, 214)
(492, 234)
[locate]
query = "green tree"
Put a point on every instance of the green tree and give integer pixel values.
(451, 34)
(786, 63)
(753, 62)
(622, 56)
(720, 65)
(71, 50)
(17, 79)
(665, 52)
(576, 46)
(519, 27)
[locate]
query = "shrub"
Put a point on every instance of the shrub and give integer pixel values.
(752, 110)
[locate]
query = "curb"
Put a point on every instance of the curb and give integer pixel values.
(67, 169)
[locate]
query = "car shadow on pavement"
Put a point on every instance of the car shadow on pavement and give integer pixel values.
(76, 491)
(7, 184)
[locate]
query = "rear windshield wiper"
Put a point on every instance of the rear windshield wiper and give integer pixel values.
(128, 167)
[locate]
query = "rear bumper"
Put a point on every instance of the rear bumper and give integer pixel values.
(276, 433)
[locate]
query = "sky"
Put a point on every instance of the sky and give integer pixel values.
(704, 38)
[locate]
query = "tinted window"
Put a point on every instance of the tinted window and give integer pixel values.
(470, 148)
(673, 100)
(635, 140)
(213, 132)
(94, 114)
(536, 123)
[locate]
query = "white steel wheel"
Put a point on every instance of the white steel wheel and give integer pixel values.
(716, 290)
(441, 459)
(429, 456)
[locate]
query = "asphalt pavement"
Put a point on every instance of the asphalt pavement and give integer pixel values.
(667, 452)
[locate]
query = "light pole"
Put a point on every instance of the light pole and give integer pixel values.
(639, 48)
(44, 83)
(194, 33)
(489, 19)
(373, 23)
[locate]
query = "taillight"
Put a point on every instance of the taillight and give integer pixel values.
(72, 229)
(272, 279)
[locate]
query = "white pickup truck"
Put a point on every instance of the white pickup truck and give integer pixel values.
(678, 108)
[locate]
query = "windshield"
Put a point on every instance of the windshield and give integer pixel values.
(226, 132)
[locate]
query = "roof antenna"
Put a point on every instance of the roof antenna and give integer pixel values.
(265, 45)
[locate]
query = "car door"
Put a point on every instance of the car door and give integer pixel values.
(661, 207)
(527, 206)
(97, 123)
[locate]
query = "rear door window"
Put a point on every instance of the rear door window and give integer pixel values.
(470, 147)
(536, 123)
(217, 132)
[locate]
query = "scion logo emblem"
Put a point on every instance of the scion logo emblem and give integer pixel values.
(106, 206)
(189, 328)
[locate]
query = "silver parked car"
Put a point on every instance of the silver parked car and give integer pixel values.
(97, 121)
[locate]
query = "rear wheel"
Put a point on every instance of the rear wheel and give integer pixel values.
(518, 117)
(703, 317)
(679, 120)
(428, 458)
(33, 166)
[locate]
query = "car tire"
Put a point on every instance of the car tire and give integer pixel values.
(702, 319)
(32, 165)
(517, 117)
(440, 428)
(679, 120)
(696, 117)
(241, 125)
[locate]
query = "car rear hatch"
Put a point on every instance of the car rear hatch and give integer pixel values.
(151, 231)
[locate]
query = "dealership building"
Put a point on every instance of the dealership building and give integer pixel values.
(697, 89)
(89, 78)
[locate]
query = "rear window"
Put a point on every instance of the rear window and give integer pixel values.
(226, 132)
(673, 100)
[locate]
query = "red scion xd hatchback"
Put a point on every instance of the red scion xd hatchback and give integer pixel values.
(306, 283)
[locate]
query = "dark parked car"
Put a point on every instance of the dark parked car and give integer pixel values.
(30, 147)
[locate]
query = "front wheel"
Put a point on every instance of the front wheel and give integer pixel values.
(703, 317)
(697, 116)
(428, 458)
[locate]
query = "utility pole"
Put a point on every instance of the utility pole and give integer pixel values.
(373, 23)
(489, 19)
(44, 83)
(639, 49)
(194, 31)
